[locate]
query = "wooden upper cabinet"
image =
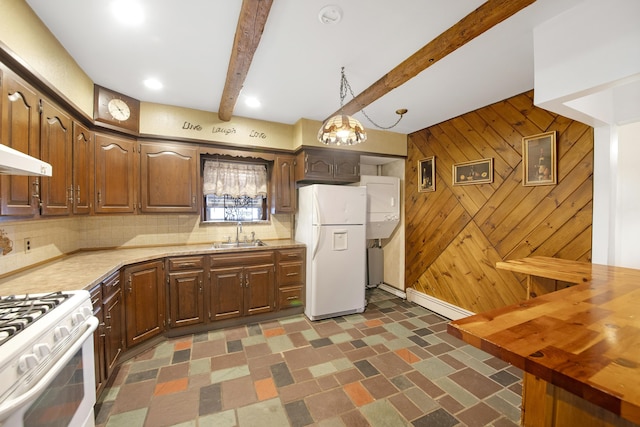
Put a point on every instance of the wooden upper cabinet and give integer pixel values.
(115, 174)
(20, 131)
(284, 185)
(326, 165)
(346, 167)
(56, 149)
(82, 180)
(168, 178)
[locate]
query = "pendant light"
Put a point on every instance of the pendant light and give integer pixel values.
(343, 129)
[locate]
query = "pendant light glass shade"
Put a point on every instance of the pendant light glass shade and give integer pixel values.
(342, 130)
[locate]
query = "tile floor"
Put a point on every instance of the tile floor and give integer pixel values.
(393, 365)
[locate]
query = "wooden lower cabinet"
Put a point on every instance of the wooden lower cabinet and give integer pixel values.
(114, 322)
(106, 298)
(98, 339)
(241, 284)
(144, 301)
(186, 286)
(132, 305)
(291, 277)
(226, 293)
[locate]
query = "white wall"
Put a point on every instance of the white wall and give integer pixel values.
(587, 62)
(587, 67)
(628, 219)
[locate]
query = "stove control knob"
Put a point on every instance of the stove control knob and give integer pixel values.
(61, 332)
(27, 362)
(77, 318)
(87, 312)
(42, 350)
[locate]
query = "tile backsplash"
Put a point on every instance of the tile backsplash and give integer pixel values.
(52, 238)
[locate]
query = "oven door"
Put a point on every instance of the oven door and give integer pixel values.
(65, 395)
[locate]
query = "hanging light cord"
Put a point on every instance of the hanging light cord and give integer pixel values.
(345, 86)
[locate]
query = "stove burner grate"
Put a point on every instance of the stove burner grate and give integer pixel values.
(19, 312)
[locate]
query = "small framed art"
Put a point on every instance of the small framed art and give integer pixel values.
(539, 159)
(474, 172)
(427, 174)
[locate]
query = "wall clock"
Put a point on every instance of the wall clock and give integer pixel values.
(115, 109)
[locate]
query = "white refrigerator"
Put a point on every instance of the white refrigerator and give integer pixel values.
(331, 221)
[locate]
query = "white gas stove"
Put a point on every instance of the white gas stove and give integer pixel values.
(46, 359)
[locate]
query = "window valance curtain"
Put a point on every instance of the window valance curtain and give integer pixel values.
(234, 179)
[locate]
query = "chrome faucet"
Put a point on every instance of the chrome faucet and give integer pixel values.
(238, 231)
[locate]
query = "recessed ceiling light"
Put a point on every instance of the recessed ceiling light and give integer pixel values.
(128, 12)
(252, 101)
(154, 84)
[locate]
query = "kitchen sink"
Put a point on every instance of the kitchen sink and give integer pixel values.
(231, 245)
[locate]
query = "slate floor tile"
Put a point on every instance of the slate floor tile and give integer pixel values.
(393, 365)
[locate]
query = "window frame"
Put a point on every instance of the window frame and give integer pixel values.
(237, 159)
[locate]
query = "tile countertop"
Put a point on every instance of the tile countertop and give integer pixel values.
(83, 270)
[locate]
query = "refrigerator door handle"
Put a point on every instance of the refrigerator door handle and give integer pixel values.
(316, 241)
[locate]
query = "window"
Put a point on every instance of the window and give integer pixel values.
(234, 191)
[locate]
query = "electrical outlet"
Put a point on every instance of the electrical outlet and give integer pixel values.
(27, 245)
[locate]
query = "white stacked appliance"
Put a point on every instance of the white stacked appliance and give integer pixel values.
(331, 221)
(383, 216)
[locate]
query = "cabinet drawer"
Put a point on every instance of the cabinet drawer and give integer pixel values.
(290, 273)
(242, 259)
(290, 297)
(296, 254)
(186, 263)
(111, 285)
(96, 296)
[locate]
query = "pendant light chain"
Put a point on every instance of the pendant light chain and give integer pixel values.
(344, 87)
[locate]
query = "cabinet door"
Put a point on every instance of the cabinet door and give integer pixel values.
(186, 300)
(168, 178)
(56, 149)
(144, 302)
(259, 289)
(226, 293)
(346, 167)
(284, 188)
(115, 175)
(82, 171)
(318, 165)
(19, 195)
(114, 322)
(98, 339)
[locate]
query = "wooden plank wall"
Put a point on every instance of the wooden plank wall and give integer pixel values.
(455, 235)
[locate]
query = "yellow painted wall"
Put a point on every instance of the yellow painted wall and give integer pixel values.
(27, 37)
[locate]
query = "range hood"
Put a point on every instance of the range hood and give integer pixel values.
(14, 162)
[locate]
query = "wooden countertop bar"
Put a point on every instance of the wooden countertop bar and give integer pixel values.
(584, 339)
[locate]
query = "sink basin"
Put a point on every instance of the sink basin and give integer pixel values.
(231, 245)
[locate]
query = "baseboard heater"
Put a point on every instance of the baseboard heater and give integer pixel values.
(395, 291)
(438, 306)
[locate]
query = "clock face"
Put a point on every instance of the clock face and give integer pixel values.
(119, 109)
(116, 110)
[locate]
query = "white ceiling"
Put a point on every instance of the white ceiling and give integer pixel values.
(296, 69)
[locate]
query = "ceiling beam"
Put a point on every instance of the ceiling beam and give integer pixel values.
(489, 14)
(253, 17)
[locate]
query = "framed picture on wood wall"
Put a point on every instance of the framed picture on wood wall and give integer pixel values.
(427, 174)
(474, 172)
(539, 159)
